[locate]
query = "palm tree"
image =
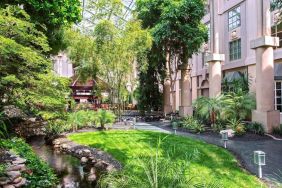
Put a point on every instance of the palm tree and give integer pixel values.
(238, 105)
(208, 108)
(105, 117)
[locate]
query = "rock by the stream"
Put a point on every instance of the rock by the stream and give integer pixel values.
(13, 175)
(8, 186)
(92, 156)
(83, 160)
(92, 177)
(12, 111)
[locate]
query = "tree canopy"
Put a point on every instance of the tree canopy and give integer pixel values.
(25, 72)
(178, 33)
(50, 17)
(175, 24)
(110, 53)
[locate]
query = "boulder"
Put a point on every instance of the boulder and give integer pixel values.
(19, 161)
(12, 111)
(56, 142)
(4, 180)
(13, 174)
(65, 146)
(92, 177)
(83, 160)
(110, 168)
(16, 167)
(21, 183)
(8, 186)
(86, 152)
(17, 180)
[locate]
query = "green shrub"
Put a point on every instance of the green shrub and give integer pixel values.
(237, 126)
(208, 109)
(219, 126)
(81, 118)
(193, 125)
(255, 127)
(278, 130)
(42, 175)
(237, 105)
(105, 117)
(56, 127)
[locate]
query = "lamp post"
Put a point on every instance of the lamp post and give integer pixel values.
(224, 134)
(174, 126)
(134, 122)
(259, 159)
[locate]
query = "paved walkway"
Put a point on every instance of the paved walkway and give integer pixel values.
(243, 149)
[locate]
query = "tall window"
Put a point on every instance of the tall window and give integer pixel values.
(278, 95)
(276, 31)
(235, 50)
(234, 18)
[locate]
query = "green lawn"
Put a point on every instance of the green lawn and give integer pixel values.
(213, 165)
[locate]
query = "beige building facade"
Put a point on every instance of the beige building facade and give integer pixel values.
(243, 37)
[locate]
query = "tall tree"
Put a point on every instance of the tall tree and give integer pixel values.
(110, 53)
(176, 28)
(25, 72)
(50, 17)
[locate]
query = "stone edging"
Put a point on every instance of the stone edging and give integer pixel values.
(273, 137)
(97, 158)
(13, 175)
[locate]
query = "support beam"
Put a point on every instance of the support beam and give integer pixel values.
(265, 112)
(167, 105)
(186, 94)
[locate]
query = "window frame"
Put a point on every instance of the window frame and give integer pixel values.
(278, 97)
(275, 32)
(235, 50)
(232, 21)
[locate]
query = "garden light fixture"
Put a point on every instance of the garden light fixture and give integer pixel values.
(134, 122)
(224, 134)
(259, 159)
(174, 126)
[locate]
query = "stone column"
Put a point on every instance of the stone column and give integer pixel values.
(167, 104)
(186, 108)
(215, 74)
(215, 58)
(265, 112)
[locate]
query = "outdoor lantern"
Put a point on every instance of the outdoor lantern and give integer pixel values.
(134, 122)
(174, 126)
(224, 135)
(259, 159)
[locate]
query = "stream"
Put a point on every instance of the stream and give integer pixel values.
(68, 168)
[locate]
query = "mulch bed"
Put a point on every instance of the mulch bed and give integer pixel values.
(246, 137)
(251, 137)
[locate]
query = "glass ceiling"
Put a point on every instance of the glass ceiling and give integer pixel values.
(88, 21)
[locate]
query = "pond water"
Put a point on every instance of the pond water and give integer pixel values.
(68, 168)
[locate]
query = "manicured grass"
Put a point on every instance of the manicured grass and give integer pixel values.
(213, 165)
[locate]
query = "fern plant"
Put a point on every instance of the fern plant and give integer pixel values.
(237, 126)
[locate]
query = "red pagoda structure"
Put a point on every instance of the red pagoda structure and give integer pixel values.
(82, 92)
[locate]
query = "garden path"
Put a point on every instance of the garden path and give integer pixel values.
(243, 149)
